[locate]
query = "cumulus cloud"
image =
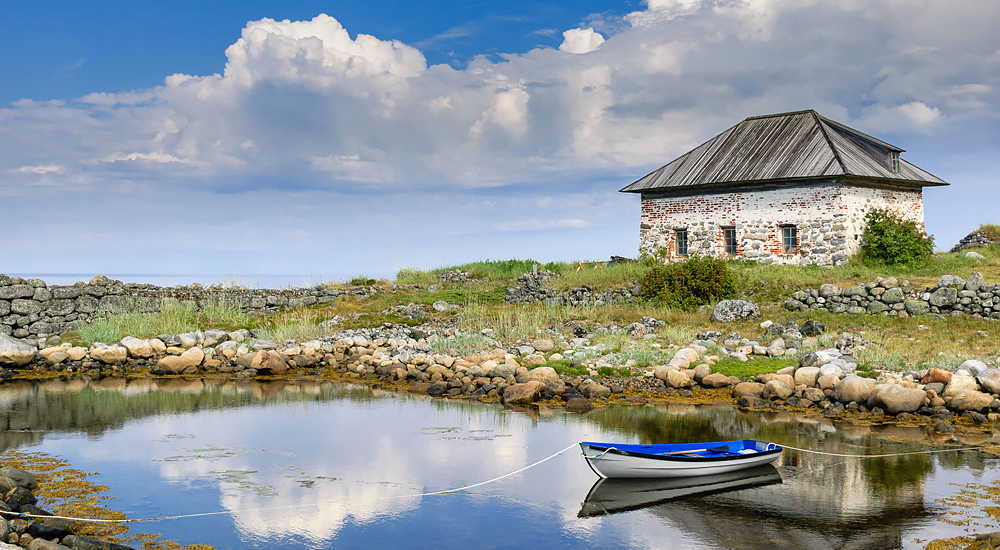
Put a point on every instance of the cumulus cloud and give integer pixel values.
(581, 40)
(303, 104)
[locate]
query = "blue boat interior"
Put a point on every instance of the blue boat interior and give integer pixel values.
(709, 449)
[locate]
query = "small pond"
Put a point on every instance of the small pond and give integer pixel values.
(316, 464)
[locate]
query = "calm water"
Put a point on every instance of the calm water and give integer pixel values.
(319, 465)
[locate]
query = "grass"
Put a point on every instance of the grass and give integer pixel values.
(491, 270)
(991, 230)
(173, 318)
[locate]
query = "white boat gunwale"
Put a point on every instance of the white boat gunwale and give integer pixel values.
(613, 449)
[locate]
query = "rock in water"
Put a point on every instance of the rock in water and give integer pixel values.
(728, 311)
(14, 352)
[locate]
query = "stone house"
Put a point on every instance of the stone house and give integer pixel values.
(789, 188)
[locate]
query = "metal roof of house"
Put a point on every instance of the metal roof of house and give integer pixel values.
(784, 147)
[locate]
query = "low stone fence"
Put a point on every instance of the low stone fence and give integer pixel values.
(529, 288)
(953, 296)
(31, 308)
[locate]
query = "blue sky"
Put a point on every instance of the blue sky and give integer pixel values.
(339, 138)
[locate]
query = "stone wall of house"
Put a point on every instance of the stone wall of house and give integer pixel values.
(858, 201)
(827, 216)
(31, 308)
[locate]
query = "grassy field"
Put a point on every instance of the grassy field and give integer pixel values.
(485, 320)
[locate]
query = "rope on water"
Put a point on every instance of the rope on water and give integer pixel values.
(931, 451)
(222, 512)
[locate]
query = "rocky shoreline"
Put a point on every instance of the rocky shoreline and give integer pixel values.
(19, 531)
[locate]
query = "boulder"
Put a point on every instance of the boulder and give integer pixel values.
(178, 364)
(532, 360)
(522, 394)
(812, 328)
(579, 405)
(110, 354)
(974, 281)
(989, 381)
(137, 347)
(728, 311)
(268, 362)
(716, 380)
(917, 307)
(14, 352)
(895, 399)
(853, 388)
(893, 296)
(827, 290)
(944, 297)
(20, 477)
(776, 389)
(936, 375)
(970, 400)
(541, 374)
(827, 381)
(958, 384)
(678, 379)
(543, 345)
(748, 388)
(953, 281)
(595, 390)
(806, 375)
(683, 358)
(974, 367)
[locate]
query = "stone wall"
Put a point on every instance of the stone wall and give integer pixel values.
(530, 288)
(953, 296)
(31, 308)
(829, 218)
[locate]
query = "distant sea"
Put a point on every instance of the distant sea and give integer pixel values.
(163, 279)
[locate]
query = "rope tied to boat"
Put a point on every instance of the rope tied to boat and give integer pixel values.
(883, 455)
(223, 512)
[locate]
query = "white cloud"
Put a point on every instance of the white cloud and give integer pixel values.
(154, 157)
(920, 113)
(581, 40)
(39, 169)
(303, 105)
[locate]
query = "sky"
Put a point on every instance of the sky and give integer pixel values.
(333, 139)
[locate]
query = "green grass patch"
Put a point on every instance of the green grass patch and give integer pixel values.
(463, 295)
(750, 369)
(606, 372)
(563, 366)
(173, 318)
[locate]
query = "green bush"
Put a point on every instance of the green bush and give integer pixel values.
(686, 285)
(991, 230)
(362, 280)
(891, 240)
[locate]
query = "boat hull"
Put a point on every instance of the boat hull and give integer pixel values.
(612, 460)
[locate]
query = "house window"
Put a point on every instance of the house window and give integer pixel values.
(729, 239)
(789, 239)
(681, 242)
(894, 162)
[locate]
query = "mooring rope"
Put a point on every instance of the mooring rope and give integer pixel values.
(431, 493)
(222, 512)
(885, 455)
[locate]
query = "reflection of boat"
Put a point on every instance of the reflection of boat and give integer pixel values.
(610, 496)
(677, 460)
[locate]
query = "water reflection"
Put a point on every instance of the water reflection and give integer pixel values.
(319, 464)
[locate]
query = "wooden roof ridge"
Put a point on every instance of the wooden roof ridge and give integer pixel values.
(826, 136)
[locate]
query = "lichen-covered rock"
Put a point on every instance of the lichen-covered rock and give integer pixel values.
(944, 297)
(110, 354)
(14, 352)
(989, 381)
(776, 389)
(970, 400)
(748, 388)
(958, 384)
(728, 311)
(523, 394)
(895, 399)
(853, 389)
